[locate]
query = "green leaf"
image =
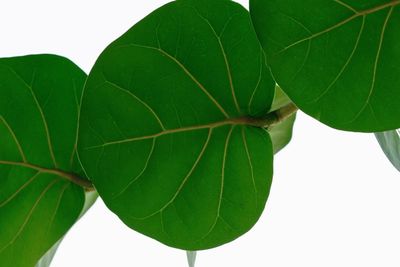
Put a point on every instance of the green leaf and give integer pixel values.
(281, 133)
(163, 131)
(45, 261)
(338, 61)
(390, 143)
(280, 99)
(39, 200)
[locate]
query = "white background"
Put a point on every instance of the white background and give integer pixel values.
(335, 199)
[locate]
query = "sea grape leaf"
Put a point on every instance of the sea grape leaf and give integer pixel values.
(338, 61)
(46, 259)
(390, 144)
(39, 103)
(281, 133)
(163, 130)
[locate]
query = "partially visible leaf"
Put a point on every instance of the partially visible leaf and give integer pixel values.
(47, 258)
(281, 133)
(90, 199)
(390, 143)
(280, 99)
(165, 130)
(191, 257)
(39, 200)
(45, 261)
(338, 61)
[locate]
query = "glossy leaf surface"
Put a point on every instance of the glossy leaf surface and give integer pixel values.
(390, 144)
(38, 125)
(163, 129)
(338, 61)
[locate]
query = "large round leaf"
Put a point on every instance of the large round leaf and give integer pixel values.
(163, 130)
(339, 61)
(39, 200)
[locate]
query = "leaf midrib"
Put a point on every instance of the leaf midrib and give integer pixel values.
(60, 173)
(249, 121)
(343, 22)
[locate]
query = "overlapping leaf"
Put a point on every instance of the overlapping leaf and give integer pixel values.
(390, 143)
(281, 133)
(339, 61)
(164, 132)
(46, 259)
(39, 202)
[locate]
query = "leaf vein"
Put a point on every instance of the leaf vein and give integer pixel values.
(46, 128)
(21, 151)
(258, 83)
(63, 189)
(185, 179)
(344, 66)
(222, 183)
(29, 215)
(191, 76)
(250, 164)
(78, 102)
(171, 131)
(228, 69)
(377, 57)
(141, 172)
(138, 99)
(30, 180)
(341, 23)
(346, 6)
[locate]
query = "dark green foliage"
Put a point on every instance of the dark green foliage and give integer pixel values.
(338, 62)
(39, 106)
(163, 132)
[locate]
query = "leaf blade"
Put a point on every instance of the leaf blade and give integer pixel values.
(181, 61)
(337, 62)
(38, 131)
